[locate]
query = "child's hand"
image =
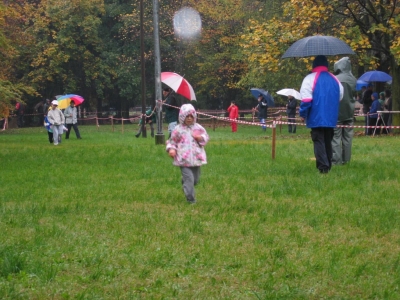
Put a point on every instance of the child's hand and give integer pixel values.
(197, 136)
(172, 153)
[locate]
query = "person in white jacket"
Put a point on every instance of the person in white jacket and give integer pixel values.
(56, 119)
(71, 119)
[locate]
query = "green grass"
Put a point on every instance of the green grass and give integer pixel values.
(105, 218)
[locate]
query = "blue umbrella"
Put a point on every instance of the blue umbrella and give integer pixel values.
(375, 76)
(267, 96)
(318, 45)
(360, 84)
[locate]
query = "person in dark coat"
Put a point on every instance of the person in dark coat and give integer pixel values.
(171, 110)
(39, 109)
(46, 107)
(291, 113)
(387, 106)
(262, 108)
(366, 102)
(20, 111)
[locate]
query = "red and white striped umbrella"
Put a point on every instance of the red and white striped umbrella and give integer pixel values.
(179, 84)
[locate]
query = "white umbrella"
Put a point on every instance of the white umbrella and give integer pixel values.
(290, 92)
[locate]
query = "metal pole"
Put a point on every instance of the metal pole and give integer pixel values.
(160, 138)
(273, 138)
(143, 72)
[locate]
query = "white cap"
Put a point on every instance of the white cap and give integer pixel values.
(54, 102)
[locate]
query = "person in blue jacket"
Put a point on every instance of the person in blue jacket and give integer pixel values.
(373, 115)
(321, 92)
(48, 128)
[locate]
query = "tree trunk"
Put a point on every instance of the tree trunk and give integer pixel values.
(395, 72)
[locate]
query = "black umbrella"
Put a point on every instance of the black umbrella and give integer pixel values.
(318, 45)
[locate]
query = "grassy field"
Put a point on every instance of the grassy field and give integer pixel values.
(105, 218)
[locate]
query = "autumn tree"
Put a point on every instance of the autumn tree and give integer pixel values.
(371, 28)
(69, 49)
(14, 44)
(214, 62)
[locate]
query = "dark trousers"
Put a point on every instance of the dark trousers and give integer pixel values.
(75, 126)
(379, 123)
(366, 124)
(322, 139)
(292, 127)
(50, 135)
(386, 122)
(140, 130)
(20, 121)
(372, 122)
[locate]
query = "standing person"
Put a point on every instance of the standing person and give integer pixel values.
(387, 106)
(262, 108)
(361, 94)
(20, 110)
(39, 109)
(233, 115)
(71, 119)
(366, 102)
(343, 136)
(49, 130)
(186, 147)
(46, 107)
(373, 115)
(56, 119)
(380, 117)
(291, 113)
(150, 119)
(321, 93)
(171, 112)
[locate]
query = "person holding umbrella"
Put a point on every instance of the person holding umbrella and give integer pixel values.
(262, 108)
(233, 111)
(71, 119)
(171, 110)
(321, 93)
(291, 113)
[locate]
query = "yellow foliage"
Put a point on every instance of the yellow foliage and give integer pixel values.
(268, 41)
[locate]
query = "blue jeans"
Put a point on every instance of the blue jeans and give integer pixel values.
(262, 121)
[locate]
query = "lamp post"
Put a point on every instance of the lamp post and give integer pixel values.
(160, 138)
(144, 134)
